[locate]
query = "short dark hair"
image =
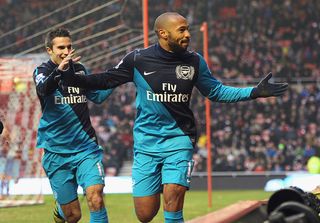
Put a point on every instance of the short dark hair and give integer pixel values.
(59, 32)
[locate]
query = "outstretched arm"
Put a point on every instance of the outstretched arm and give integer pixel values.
(111, 78)
(98, 96)
(266, 89)
(216, 91)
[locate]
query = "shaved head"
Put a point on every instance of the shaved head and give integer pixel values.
(165, 20)
(172, 30)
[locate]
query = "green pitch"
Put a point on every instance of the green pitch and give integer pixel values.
(120, 207)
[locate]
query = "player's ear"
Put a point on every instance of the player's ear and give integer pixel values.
(49, 50)
(163, 34)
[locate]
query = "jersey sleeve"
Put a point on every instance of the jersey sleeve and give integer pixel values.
(96, 96)
(214, 90)
(44, 80)
(120, 74)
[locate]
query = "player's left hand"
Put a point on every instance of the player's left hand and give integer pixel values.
(266, 89)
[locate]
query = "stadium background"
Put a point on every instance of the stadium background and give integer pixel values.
(247, 39)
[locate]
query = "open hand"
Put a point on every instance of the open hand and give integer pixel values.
(266, 89)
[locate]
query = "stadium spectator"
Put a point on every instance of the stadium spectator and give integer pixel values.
(164, 132)
(72, 155)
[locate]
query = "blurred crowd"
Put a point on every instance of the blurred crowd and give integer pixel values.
(247, 39)
(274, 134)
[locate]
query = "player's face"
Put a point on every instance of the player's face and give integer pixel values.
(61, 46)
(179, 35)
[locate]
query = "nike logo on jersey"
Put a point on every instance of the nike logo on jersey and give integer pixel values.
(81, 72)
(148, 73)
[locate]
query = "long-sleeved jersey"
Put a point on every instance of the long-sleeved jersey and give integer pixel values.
(65, 125)
(164, 83)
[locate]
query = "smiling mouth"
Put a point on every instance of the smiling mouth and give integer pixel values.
(185, 42)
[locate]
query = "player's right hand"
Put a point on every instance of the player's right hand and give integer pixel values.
(64, 65)
(67, 77)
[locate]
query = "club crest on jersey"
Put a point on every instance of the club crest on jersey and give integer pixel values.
(184, 72)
